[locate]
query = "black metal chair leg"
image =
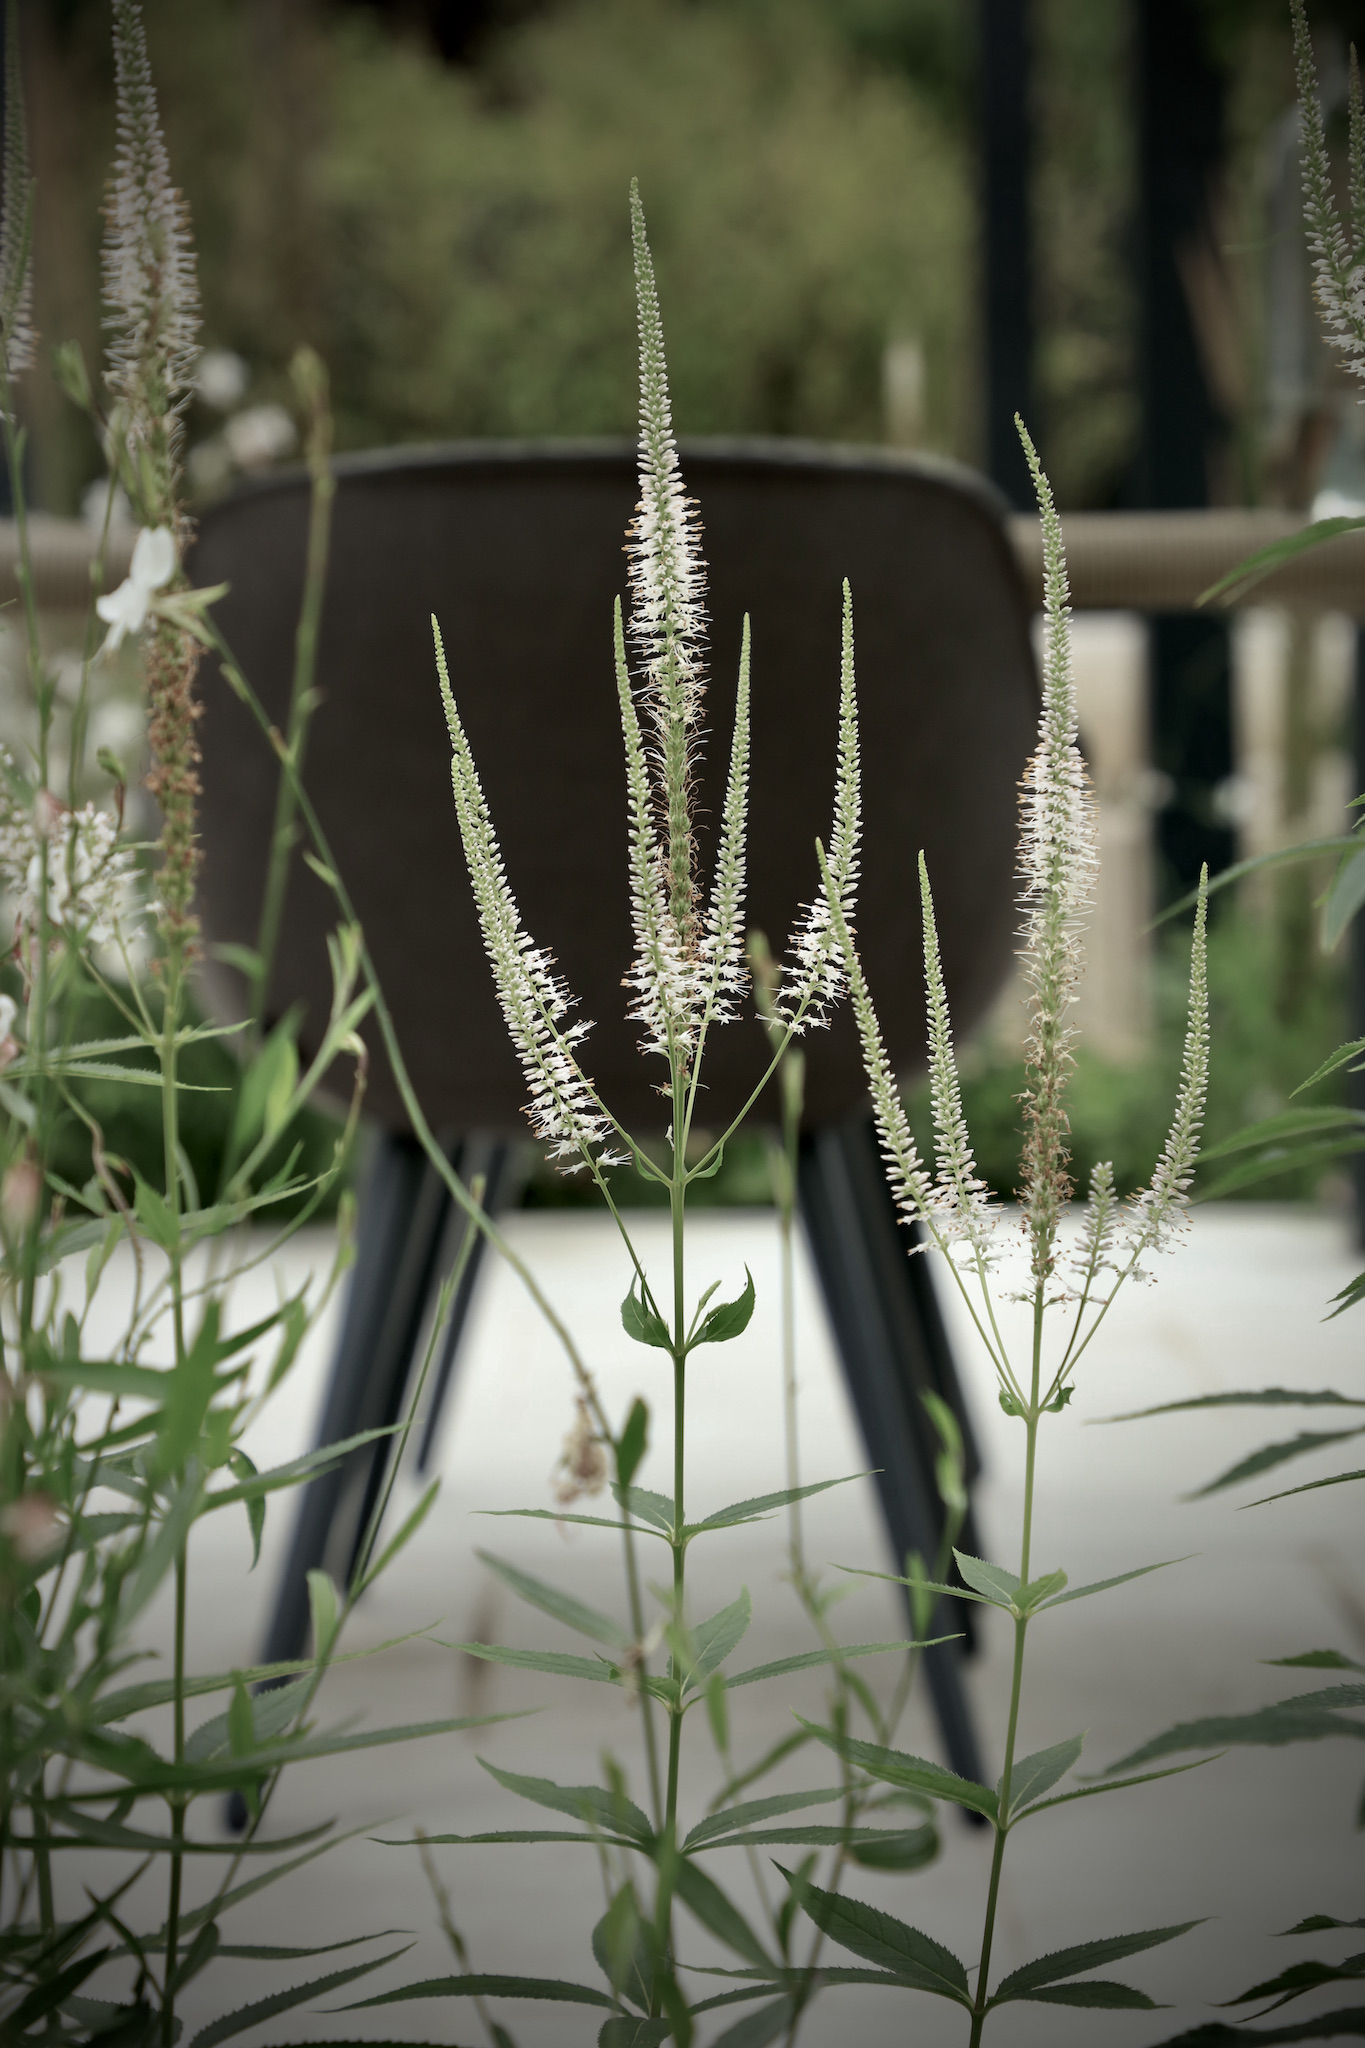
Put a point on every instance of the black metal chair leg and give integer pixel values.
(409, 1232)
(894, 1348)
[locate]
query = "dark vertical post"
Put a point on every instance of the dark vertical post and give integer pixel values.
(1007, 241)
(1183, 433)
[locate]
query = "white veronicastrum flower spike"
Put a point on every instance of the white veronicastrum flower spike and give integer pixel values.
(815, 977)
(961, 1196)
(722, 947)
(16, 217)
(668, 619)
(1157, 1216)
(662, 982)
(150, 288)
(1058, 865)
(1338, 271)
(564, 1109)
(125, 610)
(911, 1186)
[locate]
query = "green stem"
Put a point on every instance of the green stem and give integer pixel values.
(637, 1626)
(678, 1203)
(177, 1810)
(1016, 1684)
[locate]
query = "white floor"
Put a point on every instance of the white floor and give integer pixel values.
(1253, 1841)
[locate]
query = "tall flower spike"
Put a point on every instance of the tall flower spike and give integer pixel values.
(1058, 862)
(662, 982)
(1095, 1250)
(722, 945)
(1339, 275)
(911, 1186)
(667, 586)
(564, 1110)
(150, 291)
(1157, 1216)
(816, 976)
(962, 1196)
(16, 215)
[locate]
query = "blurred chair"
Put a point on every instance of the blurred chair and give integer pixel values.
(518, 550)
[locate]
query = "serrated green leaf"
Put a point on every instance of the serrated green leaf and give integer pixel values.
(1293, 1982)
(713, 1640)
(1034, 1775)
(1310, 1486)
(629, 2030)
(644, 1506)
(620, 1950)
(592, 1803)
(1086, 1955)
(1098, 1991)
(1305, 1718)
(730, 1319)
(551, 1988)
(556, 1662)
(1270, 1455)
(404, 1535)
(634, 1441)
(915, 1958)
(991, 1581)
(1318, 1660)
(1344, 899)
(915, 1773)
(1349, 1296)
(717, 1825)
(1104, 1585)
(574, 1614)
(808, 1659)
(1262, 1397)
(709, 1904)
(763, 1504)
(885, 1849)
(322, 1609)
(1320, 1923)
(1237, 582)
(1111, 1785)
(758, 2029)
(506, 1838)
(307, 1466)
(641, 1323)
(585, 1521)
(1218, 2034)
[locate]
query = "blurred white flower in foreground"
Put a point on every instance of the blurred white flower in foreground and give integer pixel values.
(125, 610)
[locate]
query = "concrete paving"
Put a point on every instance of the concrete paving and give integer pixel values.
(1253, 1841)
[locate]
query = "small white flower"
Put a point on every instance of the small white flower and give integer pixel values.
(125, 610)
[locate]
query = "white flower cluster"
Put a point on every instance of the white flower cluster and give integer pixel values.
(66, 865)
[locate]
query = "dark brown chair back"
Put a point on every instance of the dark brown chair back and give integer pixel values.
(518, 551)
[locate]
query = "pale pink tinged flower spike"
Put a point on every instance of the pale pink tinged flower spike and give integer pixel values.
(564, 1110)
(1058, 864)
(816, 975)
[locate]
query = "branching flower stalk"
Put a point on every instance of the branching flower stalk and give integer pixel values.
(1057, 866)
(688, 972)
